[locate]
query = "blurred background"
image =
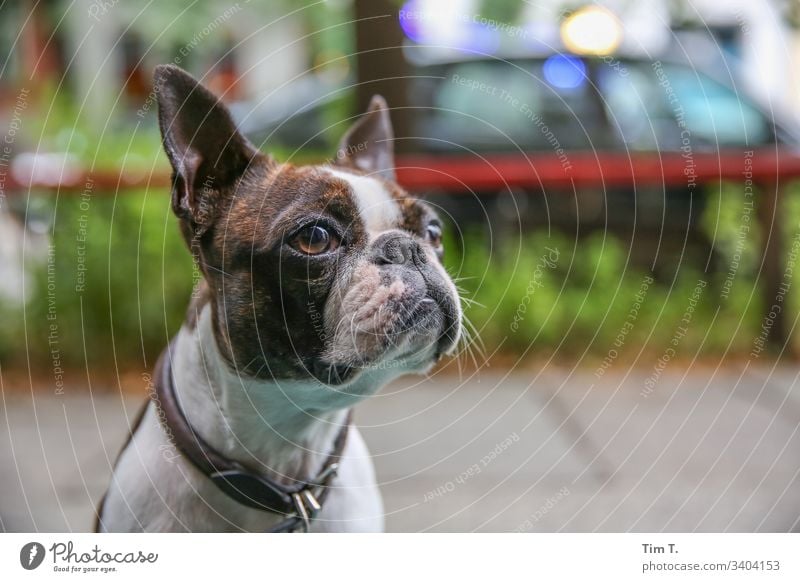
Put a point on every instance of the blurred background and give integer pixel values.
(620, 183)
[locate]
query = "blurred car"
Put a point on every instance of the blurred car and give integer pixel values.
(564, 102)
(588, 103)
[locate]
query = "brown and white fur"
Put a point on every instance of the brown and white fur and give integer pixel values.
(281, 340)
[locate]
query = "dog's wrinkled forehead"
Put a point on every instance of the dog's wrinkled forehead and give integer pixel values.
(378, 208)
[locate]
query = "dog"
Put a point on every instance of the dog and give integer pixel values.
(319, 285)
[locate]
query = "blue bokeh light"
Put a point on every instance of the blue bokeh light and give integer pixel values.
(564, 71)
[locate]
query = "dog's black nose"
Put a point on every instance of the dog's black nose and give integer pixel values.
(394, 248)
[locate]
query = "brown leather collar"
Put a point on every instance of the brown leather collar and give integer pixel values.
(299, 502)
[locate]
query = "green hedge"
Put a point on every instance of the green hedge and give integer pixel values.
(121, 309)
(582, 303)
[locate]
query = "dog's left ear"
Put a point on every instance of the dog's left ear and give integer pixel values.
(369, 144)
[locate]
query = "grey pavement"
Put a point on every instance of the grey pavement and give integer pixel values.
(556, 450)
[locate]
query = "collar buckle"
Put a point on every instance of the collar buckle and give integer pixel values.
(306, 507)
(306, 501)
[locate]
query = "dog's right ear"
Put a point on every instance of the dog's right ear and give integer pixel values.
(205, 149)
(369, 144)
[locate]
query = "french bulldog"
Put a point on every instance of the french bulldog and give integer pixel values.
(320, 284)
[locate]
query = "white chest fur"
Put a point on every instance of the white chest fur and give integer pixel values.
(273, 427)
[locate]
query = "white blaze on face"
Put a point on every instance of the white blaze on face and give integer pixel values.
(378, 209)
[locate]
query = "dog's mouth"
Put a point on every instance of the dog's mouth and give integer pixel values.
(432, 314)
(450, 331)
(417, 336)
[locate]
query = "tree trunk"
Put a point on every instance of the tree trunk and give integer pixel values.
(381, 66)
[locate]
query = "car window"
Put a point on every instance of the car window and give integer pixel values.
(636, 109)
(650, 105)
(496, 105)
(547, 104)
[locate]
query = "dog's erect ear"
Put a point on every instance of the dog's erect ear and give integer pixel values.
(206, 151)
(369, 144)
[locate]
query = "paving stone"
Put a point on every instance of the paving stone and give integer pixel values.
(561, 450)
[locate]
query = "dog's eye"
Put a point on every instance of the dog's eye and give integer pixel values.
(314, 240)
(434, 235)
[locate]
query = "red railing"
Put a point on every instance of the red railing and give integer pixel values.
(495, 172)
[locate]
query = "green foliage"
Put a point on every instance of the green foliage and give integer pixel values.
(113, 288)
(583, 305)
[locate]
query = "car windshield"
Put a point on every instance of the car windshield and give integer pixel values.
(659, 106)
(547, 104)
